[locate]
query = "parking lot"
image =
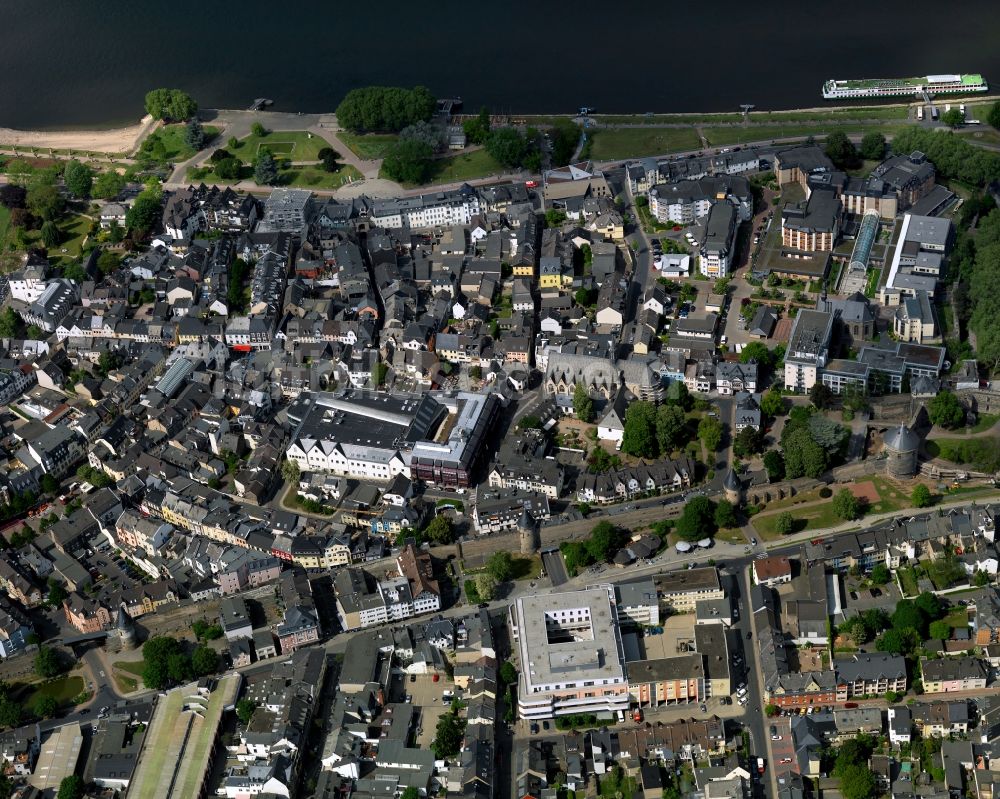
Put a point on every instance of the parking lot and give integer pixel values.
(426, 695)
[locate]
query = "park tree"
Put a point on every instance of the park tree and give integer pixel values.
(749, 441)
(820, 395)
(170, 105)
(940, 630)
(194, 134)
(45, 201)
(772, 404)
(671, 428)
(710, 433)
(697, 520)
(244, 710)
(846, 505)
(440, 530)
(920, 497)
(409, 161)
(204, 660)
(477, 129)
(784, 523)
(45, 706)
(384, 108)
(50, 234)
(564, 136)
(946, 410)
(290, 471)
(802, 455)
(907, 616)
(11, 712)
(13, 196)
(840, 150)
(108, 185)
(931, 605)
(265, 169)
(257, 130)
(145, 212)
(10, 322)
(157, 653)
(953, 118)
(508, 146)
(47, 663)
(229, 168)
(71, 787)
(583, 405)
(448, 736)
(330, 159)
(880, 574)
(873, 146)
(604, 541)
(501, 566)
(758, 352)
(508, 673)
(57, 593)
(435, 136)
(857, 782)
(486, 586)
(725, 514)
(639, 436)
(79, 178)
(107, 262)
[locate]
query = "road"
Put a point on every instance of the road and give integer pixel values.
(755, 721)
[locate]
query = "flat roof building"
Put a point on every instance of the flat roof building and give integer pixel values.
(570, 653)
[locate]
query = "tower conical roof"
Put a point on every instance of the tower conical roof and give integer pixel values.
(731, 482)
(902, 439)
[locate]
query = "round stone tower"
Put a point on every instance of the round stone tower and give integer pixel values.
(527, 531)
(901, 447)
(733, 487)
(125, 628)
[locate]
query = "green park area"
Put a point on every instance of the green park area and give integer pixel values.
(62, 689)
(302, 177)
(175, 148)
(811, 511)
(293, 145)
(368, 146)
(737, 134)
(609, 144)
(886, 113)
(465, 166)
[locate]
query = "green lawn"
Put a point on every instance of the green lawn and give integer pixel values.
(131, 666)
(311, 177)
(172, 137)
(609, 144)
(465, 166)
(982, 454)
(303, 177)
(757, 133)
(986, 421)
(125, 685)
(526, 568)
(980, 134)
(833, 114)
(62, 689)
(814, 517)
(368, 146)
(295, 145)
(74, 232)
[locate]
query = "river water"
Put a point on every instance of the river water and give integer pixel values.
(85, 63)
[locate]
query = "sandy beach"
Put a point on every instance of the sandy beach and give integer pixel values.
(115, 140)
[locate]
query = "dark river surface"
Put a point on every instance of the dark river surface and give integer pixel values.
(88, 63)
